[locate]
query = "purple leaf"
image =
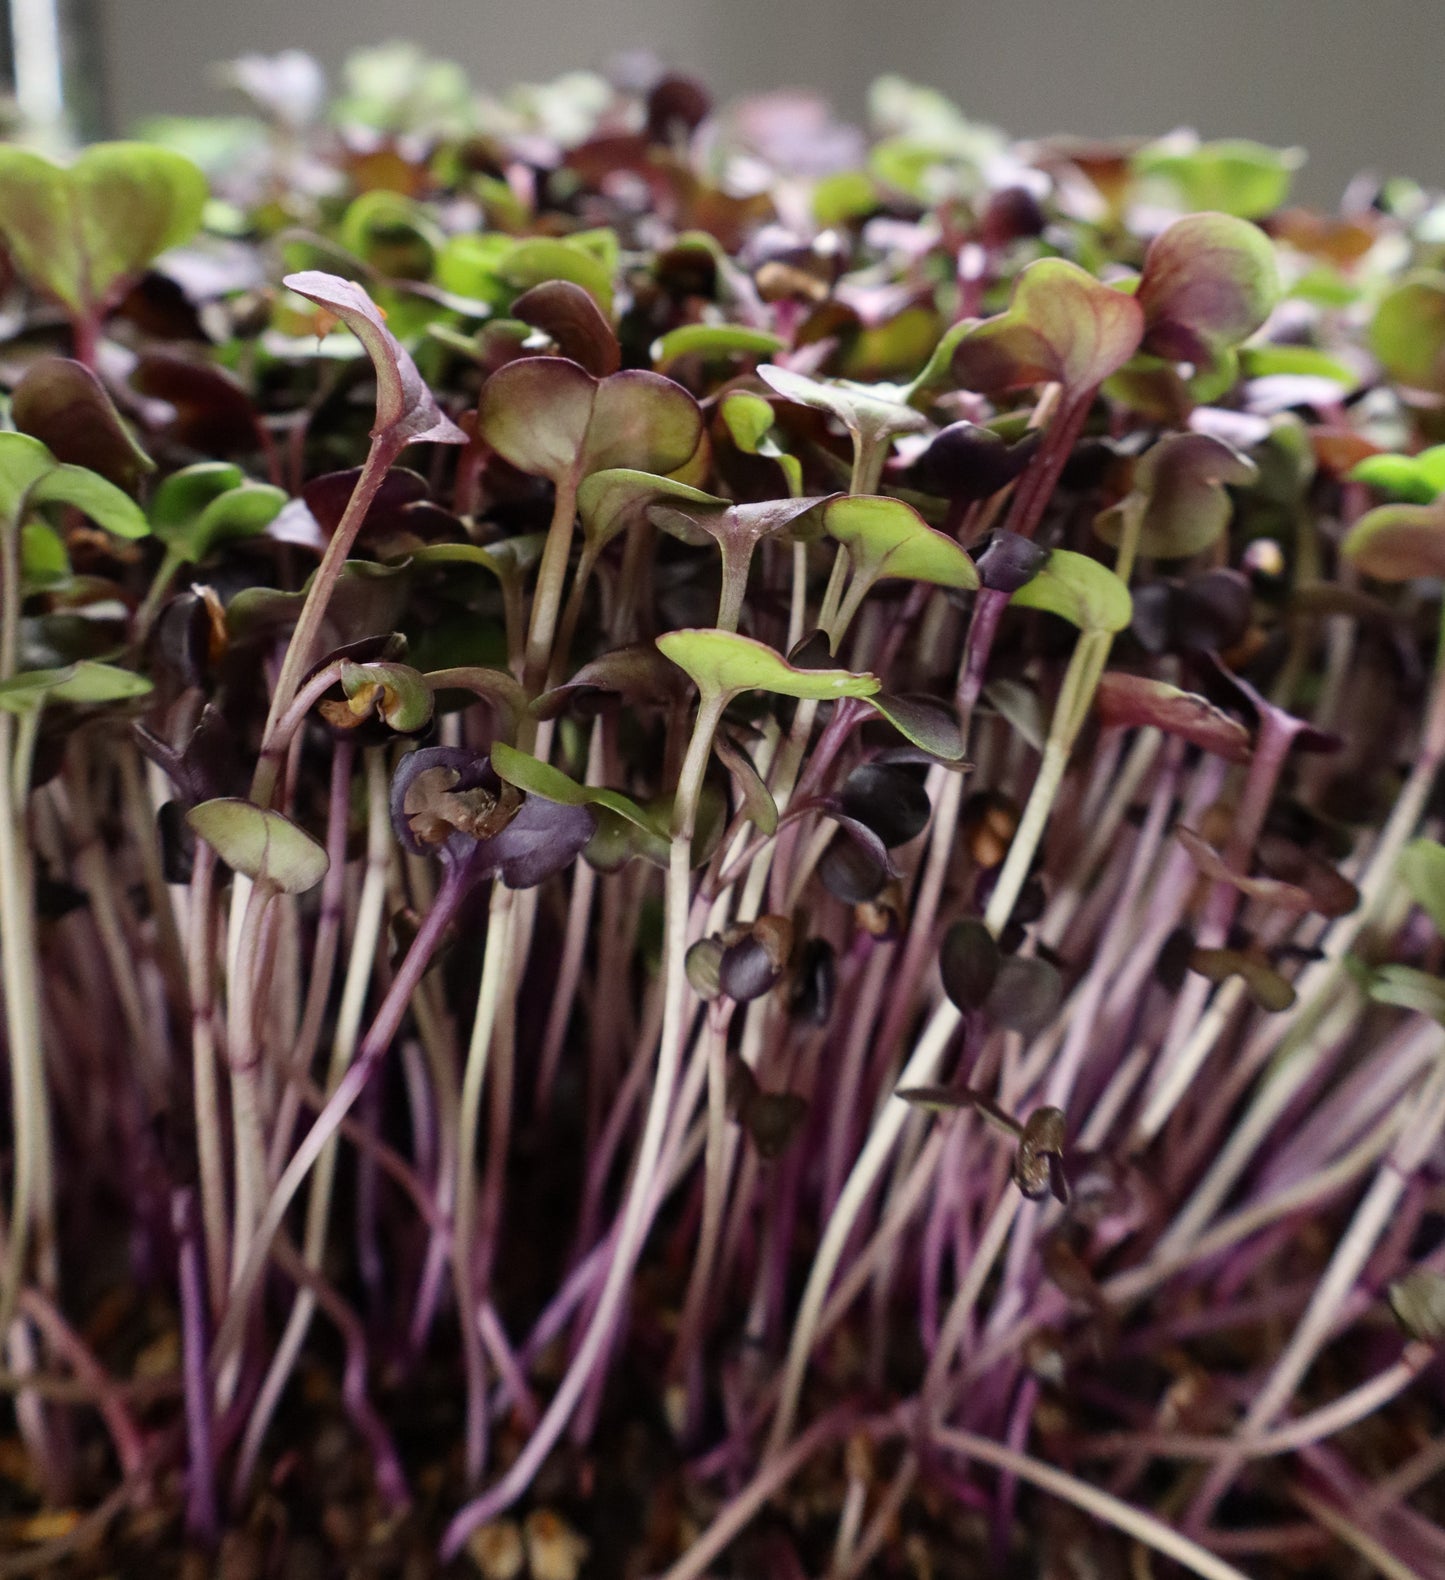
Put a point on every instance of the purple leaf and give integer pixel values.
(406, 412)
(64, 405)
(1135, 701)
(213, 412)
(448, 802)
(1209, 282)
(543, 838)
(571, 317)
(1062, 326)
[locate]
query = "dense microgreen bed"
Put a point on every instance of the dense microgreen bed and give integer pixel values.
(717, 845)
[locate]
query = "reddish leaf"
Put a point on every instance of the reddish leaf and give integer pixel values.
(1137, 702)
(406, 411)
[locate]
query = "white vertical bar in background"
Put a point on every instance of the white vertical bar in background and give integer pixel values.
(39, 63)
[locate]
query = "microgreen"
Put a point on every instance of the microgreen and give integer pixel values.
(83, 232)
(763, 811)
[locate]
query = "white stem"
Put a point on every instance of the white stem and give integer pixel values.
(1103, 1506)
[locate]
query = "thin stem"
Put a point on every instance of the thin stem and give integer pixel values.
(1104, 1506)
(32, 1205)
(1085, 665)
(200, 962)
(769, 1481)
(378, 1039)
(201, 1521)
(641, 1198)
(717, 1161)
(244, 1063)
(299, 652)
(921, 1070)
(496, 975)
(365, 937)
(551, 574)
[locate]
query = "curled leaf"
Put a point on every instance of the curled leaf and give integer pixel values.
(870, 417)
(396, 693)
(612, 500)
(1137, 702)
(757, 800)
(570, 315)
(450, 803)
(406, 411)
(1038, 1163)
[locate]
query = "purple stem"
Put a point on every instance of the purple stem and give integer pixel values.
(201, 1519)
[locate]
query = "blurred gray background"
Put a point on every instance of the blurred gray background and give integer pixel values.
(1355, 82)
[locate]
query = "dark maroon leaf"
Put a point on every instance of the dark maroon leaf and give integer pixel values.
(64, 405)
(850, 873)
(676, 107)
(205, 766)
(1136, 701)
(746, 970)
(572, 318)
(177, 842)
(180, 640)
(969, 962)
(772, 1120)
(889, 798)
(1025, 994)
(542, 839)
(327, 497)
(964, 461)
(813, 652)
(638, 674)
(1208, 613)
(213, 412)
(1010, 562)
(816, 984)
